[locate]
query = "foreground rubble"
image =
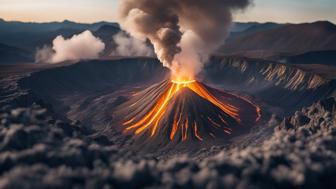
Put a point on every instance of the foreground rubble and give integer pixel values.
(37, 151)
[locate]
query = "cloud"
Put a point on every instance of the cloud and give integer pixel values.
(129, 46)
(183, 32)
(83, 46)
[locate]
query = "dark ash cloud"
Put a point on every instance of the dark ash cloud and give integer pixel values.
(183, 32)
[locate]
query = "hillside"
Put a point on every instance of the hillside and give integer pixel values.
(106, 33)
(314, 57)
(11, 55)
(290, 38)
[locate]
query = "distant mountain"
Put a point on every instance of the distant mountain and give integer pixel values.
(289, 38)
(314, 57)
(106, 33)
(30, 41)
(13, 55)
(241, 26)
(261, 27)
(16, 26)
(291, 42)
(29, 36)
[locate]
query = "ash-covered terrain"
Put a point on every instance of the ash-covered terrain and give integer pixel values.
(58, 129)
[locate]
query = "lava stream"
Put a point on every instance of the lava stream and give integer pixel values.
(182, 122)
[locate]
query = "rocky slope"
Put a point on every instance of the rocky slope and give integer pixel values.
(13, 55)
(282, 88)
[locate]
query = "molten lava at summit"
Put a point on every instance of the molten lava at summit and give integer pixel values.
(186, 109)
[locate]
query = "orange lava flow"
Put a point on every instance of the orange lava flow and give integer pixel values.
(152, 119)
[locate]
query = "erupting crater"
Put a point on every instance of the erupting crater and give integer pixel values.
(181, 110)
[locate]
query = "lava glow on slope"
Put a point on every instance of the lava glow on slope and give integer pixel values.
(183, 125)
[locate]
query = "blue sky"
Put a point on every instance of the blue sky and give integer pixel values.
(294, 11)
(290, 11)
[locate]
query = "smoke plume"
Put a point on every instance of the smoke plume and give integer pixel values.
(80, 47)
(183, 32)
(130, 46)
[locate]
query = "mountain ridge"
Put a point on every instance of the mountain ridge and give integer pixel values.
(292, 38)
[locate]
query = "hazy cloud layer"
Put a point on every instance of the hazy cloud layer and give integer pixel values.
(80, 47)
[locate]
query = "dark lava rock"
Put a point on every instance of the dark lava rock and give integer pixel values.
(328, 104)
(286, 124)
(119, 100)
(302, 120)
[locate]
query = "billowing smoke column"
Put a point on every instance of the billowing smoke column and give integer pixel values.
(183, 32)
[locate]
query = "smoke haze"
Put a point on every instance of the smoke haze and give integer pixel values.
(183, 32)
(129, 46)
(80, 47)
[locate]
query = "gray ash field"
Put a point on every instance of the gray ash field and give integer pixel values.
(58, 128)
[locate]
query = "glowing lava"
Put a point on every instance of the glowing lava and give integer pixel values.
(182, 123)
(184, 83)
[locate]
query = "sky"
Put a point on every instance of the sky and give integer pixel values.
(88, 11)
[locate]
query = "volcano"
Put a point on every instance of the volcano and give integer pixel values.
(182, 111)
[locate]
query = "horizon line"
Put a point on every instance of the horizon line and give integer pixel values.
(114, 22)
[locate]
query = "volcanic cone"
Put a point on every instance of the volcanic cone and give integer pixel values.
(174, 112)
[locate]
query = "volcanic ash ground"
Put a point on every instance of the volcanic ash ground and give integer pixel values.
(40, 152)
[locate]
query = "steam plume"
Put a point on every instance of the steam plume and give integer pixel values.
(130, 46)
(79, 47)
(183, 32)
